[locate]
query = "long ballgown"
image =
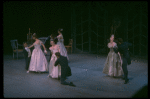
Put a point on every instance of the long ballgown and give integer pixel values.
(63, 50)
(38, 61)
(54, 71)
(113, 64)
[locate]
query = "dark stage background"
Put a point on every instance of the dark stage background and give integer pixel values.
(43, 18)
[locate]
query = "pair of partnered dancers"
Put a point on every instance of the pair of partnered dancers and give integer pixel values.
(38, 62)
(118, 58)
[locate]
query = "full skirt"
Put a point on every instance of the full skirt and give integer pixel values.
(113, 65)
(38, 61)
(54, 71)
(63, 50)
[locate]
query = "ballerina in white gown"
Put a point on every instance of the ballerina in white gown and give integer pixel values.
(38, 61)
(60, 42)
(113, 64)
(54, 71)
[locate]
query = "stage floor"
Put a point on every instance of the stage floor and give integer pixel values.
(86, 75)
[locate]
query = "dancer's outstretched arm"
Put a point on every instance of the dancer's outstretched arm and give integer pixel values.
(31, 46)
(44, 48)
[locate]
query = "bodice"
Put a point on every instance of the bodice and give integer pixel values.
(37, 46)
(60, 38)
(111, 50)
(54, 50)
(111, 47)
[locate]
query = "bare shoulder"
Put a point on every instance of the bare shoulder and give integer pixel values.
(40, 41)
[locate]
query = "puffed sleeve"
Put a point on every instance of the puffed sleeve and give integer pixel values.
(115, 45)
(41, 42)
(58, 36)
(109, 45)
(50, 48)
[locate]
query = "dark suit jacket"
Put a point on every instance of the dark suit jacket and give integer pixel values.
(123, 49)
(25, 53)
(27, 59)
(65, 69)
(47, 43)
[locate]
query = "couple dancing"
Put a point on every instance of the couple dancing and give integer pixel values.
(118, 58)
(57, 45)
(58, 67)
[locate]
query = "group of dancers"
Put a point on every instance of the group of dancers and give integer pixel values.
(37, 61)
(116, 62)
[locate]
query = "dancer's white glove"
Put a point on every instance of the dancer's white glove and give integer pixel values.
(45, 51)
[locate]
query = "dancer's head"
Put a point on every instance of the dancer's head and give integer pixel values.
(54, 41)
(60, 30)
(53, 35)
(112, 38)
(57, 54)
(120, 40)
(34, 36)
(25, 44)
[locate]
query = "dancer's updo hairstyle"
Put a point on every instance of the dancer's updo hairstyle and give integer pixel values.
(55, 40)
(61, 30)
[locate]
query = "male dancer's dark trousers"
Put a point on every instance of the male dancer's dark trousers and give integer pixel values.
(124, 67)
(63, 81)
(27, 60)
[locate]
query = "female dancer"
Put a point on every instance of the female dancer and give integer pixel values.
(38, 61)
(54, 72)
(113, 64)
(60, 42)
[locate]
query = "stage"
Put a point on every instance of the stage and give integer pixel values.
(86, 75)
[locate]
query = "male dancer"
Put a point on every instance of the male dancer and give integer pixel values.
(27, 55)
(65, 69)
(123, 49)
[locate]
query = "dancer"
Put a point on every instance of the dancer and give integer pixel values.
(113, 62)
(47, 42)
(65, 69)
(63, 50)
(27, 55)
(123, 49)
(38, 61)
(49, 38)
(54, 72)
(53, 36)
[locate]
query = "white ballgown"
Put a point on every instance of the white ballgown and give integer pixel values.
(113, 64)
(38, 61)
(54, 71)
(63, 50)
